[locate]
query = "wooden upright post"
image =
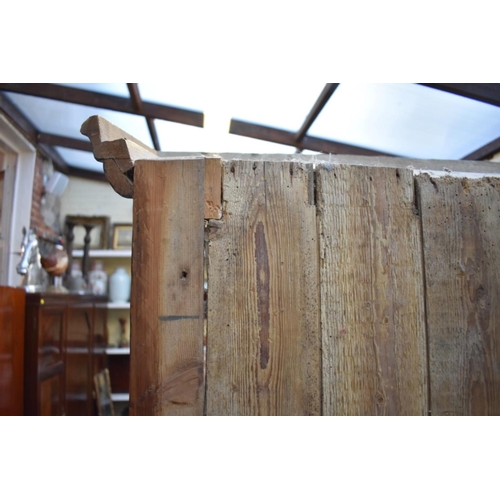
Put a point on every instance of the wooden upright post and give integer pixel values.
(167, 288)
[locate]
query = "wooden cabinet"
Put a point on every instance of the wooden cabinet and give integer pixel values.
(65, 340)
(12, 302)
(118, 358)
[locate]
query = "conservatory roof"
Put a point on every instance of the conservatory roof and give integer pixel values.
(422, 121)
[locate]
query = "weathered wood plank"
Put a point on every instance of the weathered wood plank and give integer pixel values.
(167, 289)
(461, 235)
(118, 151)
(263, 341)
(372, 308)
(213, 187)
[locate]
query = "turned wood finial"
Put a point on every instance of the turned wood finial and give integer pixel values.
(118, 151)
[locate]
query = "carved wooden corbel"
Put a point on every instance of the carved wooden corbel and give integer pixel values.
(118, 151)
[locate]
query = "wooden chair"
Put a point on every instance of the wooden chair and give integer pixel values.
(102, 386)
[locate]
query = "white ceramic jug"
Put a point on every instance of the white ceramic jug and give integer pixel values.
(119, 286)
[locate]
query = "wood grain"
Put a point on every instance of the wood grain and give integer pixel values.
(263, 341)
(461, 234)
(99, 130)
(372, 308)
(213, 188)
(12, 309)
(117, 150)
(167, 288)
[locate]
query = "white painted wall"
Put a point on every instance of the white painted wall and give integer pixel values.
(93, 198)
(20, 185)
(87, 197)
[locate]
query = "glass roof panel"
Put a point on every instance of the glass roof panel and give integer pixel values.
(116, 89)
(274, 104)
(185, 138)
(65, 119)
(407, 120)
(179, 137)
(80, 159)
(186, 95)
(240, 144)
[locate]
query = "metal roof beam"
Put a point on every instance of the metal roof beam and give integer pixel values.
(316, 110)
(133, 88)
(483, 92)
(105, 101)
(270, 134)
(64, 142)
(487, 151)
(28, 129)
(83, 173)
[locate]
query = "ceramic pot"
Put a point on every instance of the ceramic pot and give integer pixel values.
(56, 262)
(119, 286)
(98, 279)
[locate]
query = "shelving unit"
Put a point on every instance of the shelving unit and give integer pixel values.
(118, 305)
(118, 363)
(120, 397)
(124, 351)
(117, 358)
(98, 253)
(111, 259)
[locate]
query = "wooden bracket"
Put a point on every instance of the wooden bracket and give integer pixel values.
(118, 151)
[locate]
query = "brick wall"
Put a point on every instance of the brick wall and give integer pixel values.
(45, 208)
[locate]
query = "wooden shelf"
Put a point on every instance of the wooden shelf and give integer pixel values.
(117, 350)
(118, 305)
(103, 253)
(120, 396)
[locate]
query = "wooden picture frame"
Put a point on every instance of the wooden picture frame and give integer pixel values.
(98, 234)
(122, 237)
(102, 387)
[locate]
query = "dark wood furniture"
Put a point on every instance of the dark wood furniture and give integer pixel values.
(118, 362)
(65, 345)
(12, 303)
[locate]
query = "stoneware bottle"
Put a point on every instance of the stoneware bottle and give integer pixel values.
(119, 286)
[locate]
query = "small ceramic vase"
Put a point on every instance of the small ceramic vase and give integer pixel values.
(119, 286)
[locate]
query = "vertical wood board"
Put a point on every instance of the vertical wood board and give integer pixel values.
(372, 308)
(213, 188)
(167, 289)
(461, 236)
(12, 367)
(263, 340)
